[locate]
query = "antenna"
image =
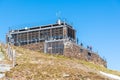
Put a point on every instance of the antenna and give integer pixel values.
(9, 28)
(58, 16)
(65, 20)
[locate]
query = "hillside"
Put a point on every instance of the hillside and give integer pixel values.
(31, 65)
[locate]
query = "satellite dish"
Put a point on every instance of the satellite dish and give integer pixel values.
(26, 28)
(59, 21)
(12, 30)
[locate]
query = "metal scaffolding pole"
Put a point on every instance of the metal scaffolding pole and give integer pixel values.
(27, 38)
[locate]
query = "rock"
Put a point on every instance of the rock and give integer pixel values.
(65, 75)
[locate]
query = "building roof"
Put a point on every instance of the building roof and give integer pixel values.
(40, 27)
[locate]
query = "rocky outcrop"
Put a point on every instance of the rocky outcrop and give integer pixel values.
(79, 52)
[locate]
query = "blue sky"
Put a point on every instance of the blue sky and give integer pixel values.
(97, 22)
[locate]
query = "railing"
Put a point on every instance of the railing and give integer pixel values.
(11, 54)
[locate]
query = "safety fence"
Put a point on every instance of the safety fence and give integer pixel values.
(11, 54)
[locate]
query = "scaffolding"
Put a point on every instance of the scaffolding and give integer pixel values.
(54, 47)
(53, 35)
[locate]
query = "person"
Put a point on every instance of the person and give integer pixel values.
(90, 48)
(81, 44)
(87, 47)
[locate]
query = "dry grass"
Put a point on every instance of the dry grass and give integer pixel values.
(33, 65)
(98, 67)
(6, 60)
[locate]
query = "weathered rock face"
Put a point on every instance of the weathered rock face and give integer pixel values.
(73, 50)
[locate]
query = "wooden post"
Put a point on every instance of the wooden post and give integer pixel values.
(14, 58)
(27, 38)
(38, 36)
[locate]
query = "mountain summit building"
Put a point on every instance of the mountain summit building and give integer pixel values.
(54, 35)
(58, 38)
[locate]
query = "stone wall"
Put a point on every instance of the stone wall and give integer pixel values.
(75, 51)
(35, 46)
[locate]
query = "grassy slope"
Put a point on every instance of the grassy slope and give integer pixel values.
(33, 65)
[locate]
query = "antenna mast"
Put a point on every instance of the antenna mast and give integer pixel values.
(58, 16)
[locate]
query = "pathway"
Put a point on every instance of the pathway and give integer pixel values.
(3, 67)
(115, 77)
